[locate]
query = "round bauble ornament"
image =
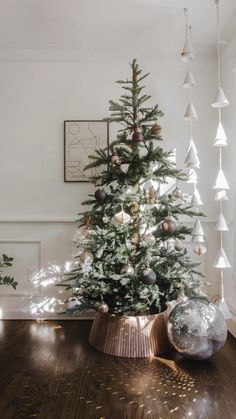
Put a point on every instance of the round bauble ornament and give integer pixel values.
(103, 307)
(168, 226)
(149, 240)
(100, 195)
(86, 257)
(115, 159)
(196, 328)
(137, 137)
(122, 217)
(156, 129)
(177, 193)
(127, 269)
(179, 246)
(200, 250)
(148, 277)
(87, 232)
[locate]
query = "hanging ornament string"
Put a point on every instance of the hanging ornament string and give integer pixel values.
(192, 161)
(221, 183)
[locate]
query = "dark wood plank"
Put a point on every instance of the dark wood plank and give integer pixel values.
(49, 371)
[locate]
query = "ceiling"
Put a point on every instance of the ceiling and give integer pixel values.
(108, 25)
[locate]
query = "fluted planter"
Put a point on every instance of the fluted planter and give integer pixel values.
(130, 336)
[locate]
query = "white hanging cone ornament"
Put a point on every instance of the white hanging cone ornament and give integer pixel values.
(221, 139)
(221, 224)
(191, 144)
(196, 198)
(221, 196)
(191, 113)
(189, 80)
(223, 307)
(187, 53)
(198, 238)
(192, 176)
(220, 100)
(222, 261)
(192, 160)
(197, 228)
(221, 181)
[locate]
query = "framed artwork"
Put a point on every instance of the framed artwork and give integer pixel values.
(81, 139)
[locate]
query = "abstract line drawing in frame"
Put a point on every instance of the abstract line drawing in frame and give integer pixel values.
(81, 139)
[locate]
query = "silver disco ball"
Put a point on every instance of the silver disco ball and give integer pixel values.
(197, 329)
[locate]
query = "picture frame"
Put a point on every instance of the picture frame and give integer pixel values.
(81, 139)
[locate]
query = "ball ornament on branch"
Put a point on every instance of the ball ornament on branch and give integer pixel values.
(100, 195)
(115, 159)
(156, 129)
(148, 277)
(103, 307)
(177, 193)
(86, 257)
(168, 226)
(179, 246)
(149, 240)
(137, 136)
(127, 269)
(122, 217)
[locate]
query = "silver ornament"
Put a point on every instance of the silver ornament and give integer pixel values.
(196, 328)
(179, 246)
(86, 257)
(148, 240)
(127, 269)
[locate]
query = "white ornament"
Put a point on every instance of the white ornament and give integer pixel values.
(191, 113)
(197, 228)
(196, 198)
(127, 269)
(187, 53)
(221, 139)
(148, 240)
(122, 217)
(221, 181)
(222, 261)
(198, 238)
(192, 160)
(189, 80)
(220, 100)
(128, 244)
(221, 196)
(221, 224)
(192, 176)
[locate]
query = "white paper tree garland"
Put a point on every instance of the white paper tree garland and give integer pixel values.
(221, 183)
(192, 161)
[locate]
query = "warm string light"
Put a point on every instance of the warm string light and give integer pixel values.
(192, 161)
(221, 184)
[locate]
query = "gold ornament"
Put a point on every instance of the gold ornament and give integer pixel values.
(156, 129)
(122, 217)
(151, 195)
(86, 257)
(135, 209)
(199, 250)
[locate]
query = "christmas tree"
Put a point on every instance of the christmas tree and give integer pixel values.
(131, 257)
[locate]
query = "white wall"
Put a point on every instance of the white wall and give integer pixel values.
(37, 207)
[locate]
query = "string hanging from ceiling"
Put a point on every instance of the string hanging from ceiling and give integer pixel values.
(221, 184)
(192, 160)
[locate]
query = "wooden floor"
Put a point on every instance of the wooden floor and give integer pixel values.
(49, 371)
